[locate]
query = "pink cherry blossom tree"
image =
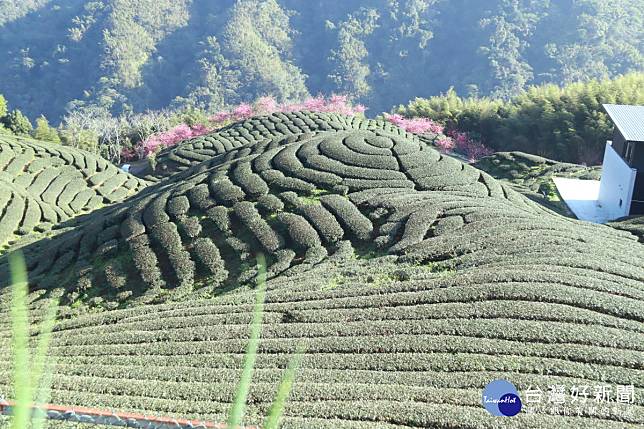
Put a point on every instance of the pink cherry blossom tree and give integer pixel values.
(267, 105)
(415, 125)
(445, 141)
(171, 137)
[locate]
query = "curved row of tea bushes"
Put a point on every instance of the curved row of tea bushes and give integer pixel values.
(634, 225)
(50, 184)
(274, 126)
(374, 353)
(532, 176)
(412, 279)
(253, 201)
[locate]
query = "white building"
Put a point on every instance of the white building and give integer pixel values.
(621, 191)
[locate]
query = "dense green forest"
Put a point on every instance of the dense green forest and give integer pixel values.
(133, 55)
(563, 123)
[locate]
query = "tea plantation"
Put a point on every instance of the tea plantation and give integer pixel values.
(44, 185)
(532, 176)
(413, 280)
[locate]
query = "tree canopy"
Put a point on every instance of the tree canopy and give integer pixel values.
(566, 123)
(133, 55)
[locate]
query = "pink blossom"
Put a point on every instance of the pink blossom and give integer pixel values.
(243, 111)
(359, 108)
(414, 125)
(476, 151)
(220, 117)
(316, 104)
(266, 105)
(395, 119)
(471, 148)
(172, 137)
(445, 144)
(128, 154)
(285, 108)
(339, 104)
(338, 99)
(199, 130)
(334, 104)
(454, 141)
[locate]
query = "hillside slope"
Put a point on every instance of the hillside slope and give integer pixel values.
(43, 185)
(633, 224)
(412, 278)
(532, 176)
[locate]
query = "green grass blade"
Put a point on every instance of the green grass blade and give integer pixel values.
(239, 403)
(20, 342)
(277, 408)
(42, 397)
(39, 382)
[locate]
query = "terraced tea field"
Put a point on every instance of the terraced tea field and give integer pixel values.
(44, 185)
(532, 176)
(412, 278)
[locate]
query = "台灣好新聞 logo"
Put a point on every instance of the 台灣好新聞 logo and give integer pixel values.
(501, 398)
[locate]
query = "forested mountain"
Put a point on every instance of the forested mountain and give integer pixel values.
(140, 54)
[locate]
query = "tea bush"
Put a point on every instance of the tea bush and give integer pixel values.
(413, 279)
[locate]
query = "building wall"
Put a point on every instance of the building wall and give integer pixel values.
(619, 143)
(638, 190)
(637, 203)
(617, 183)
(637, 159)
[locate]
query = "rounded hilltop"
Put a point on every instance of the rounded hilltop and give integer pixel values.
(42, 186)
(413, 279)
